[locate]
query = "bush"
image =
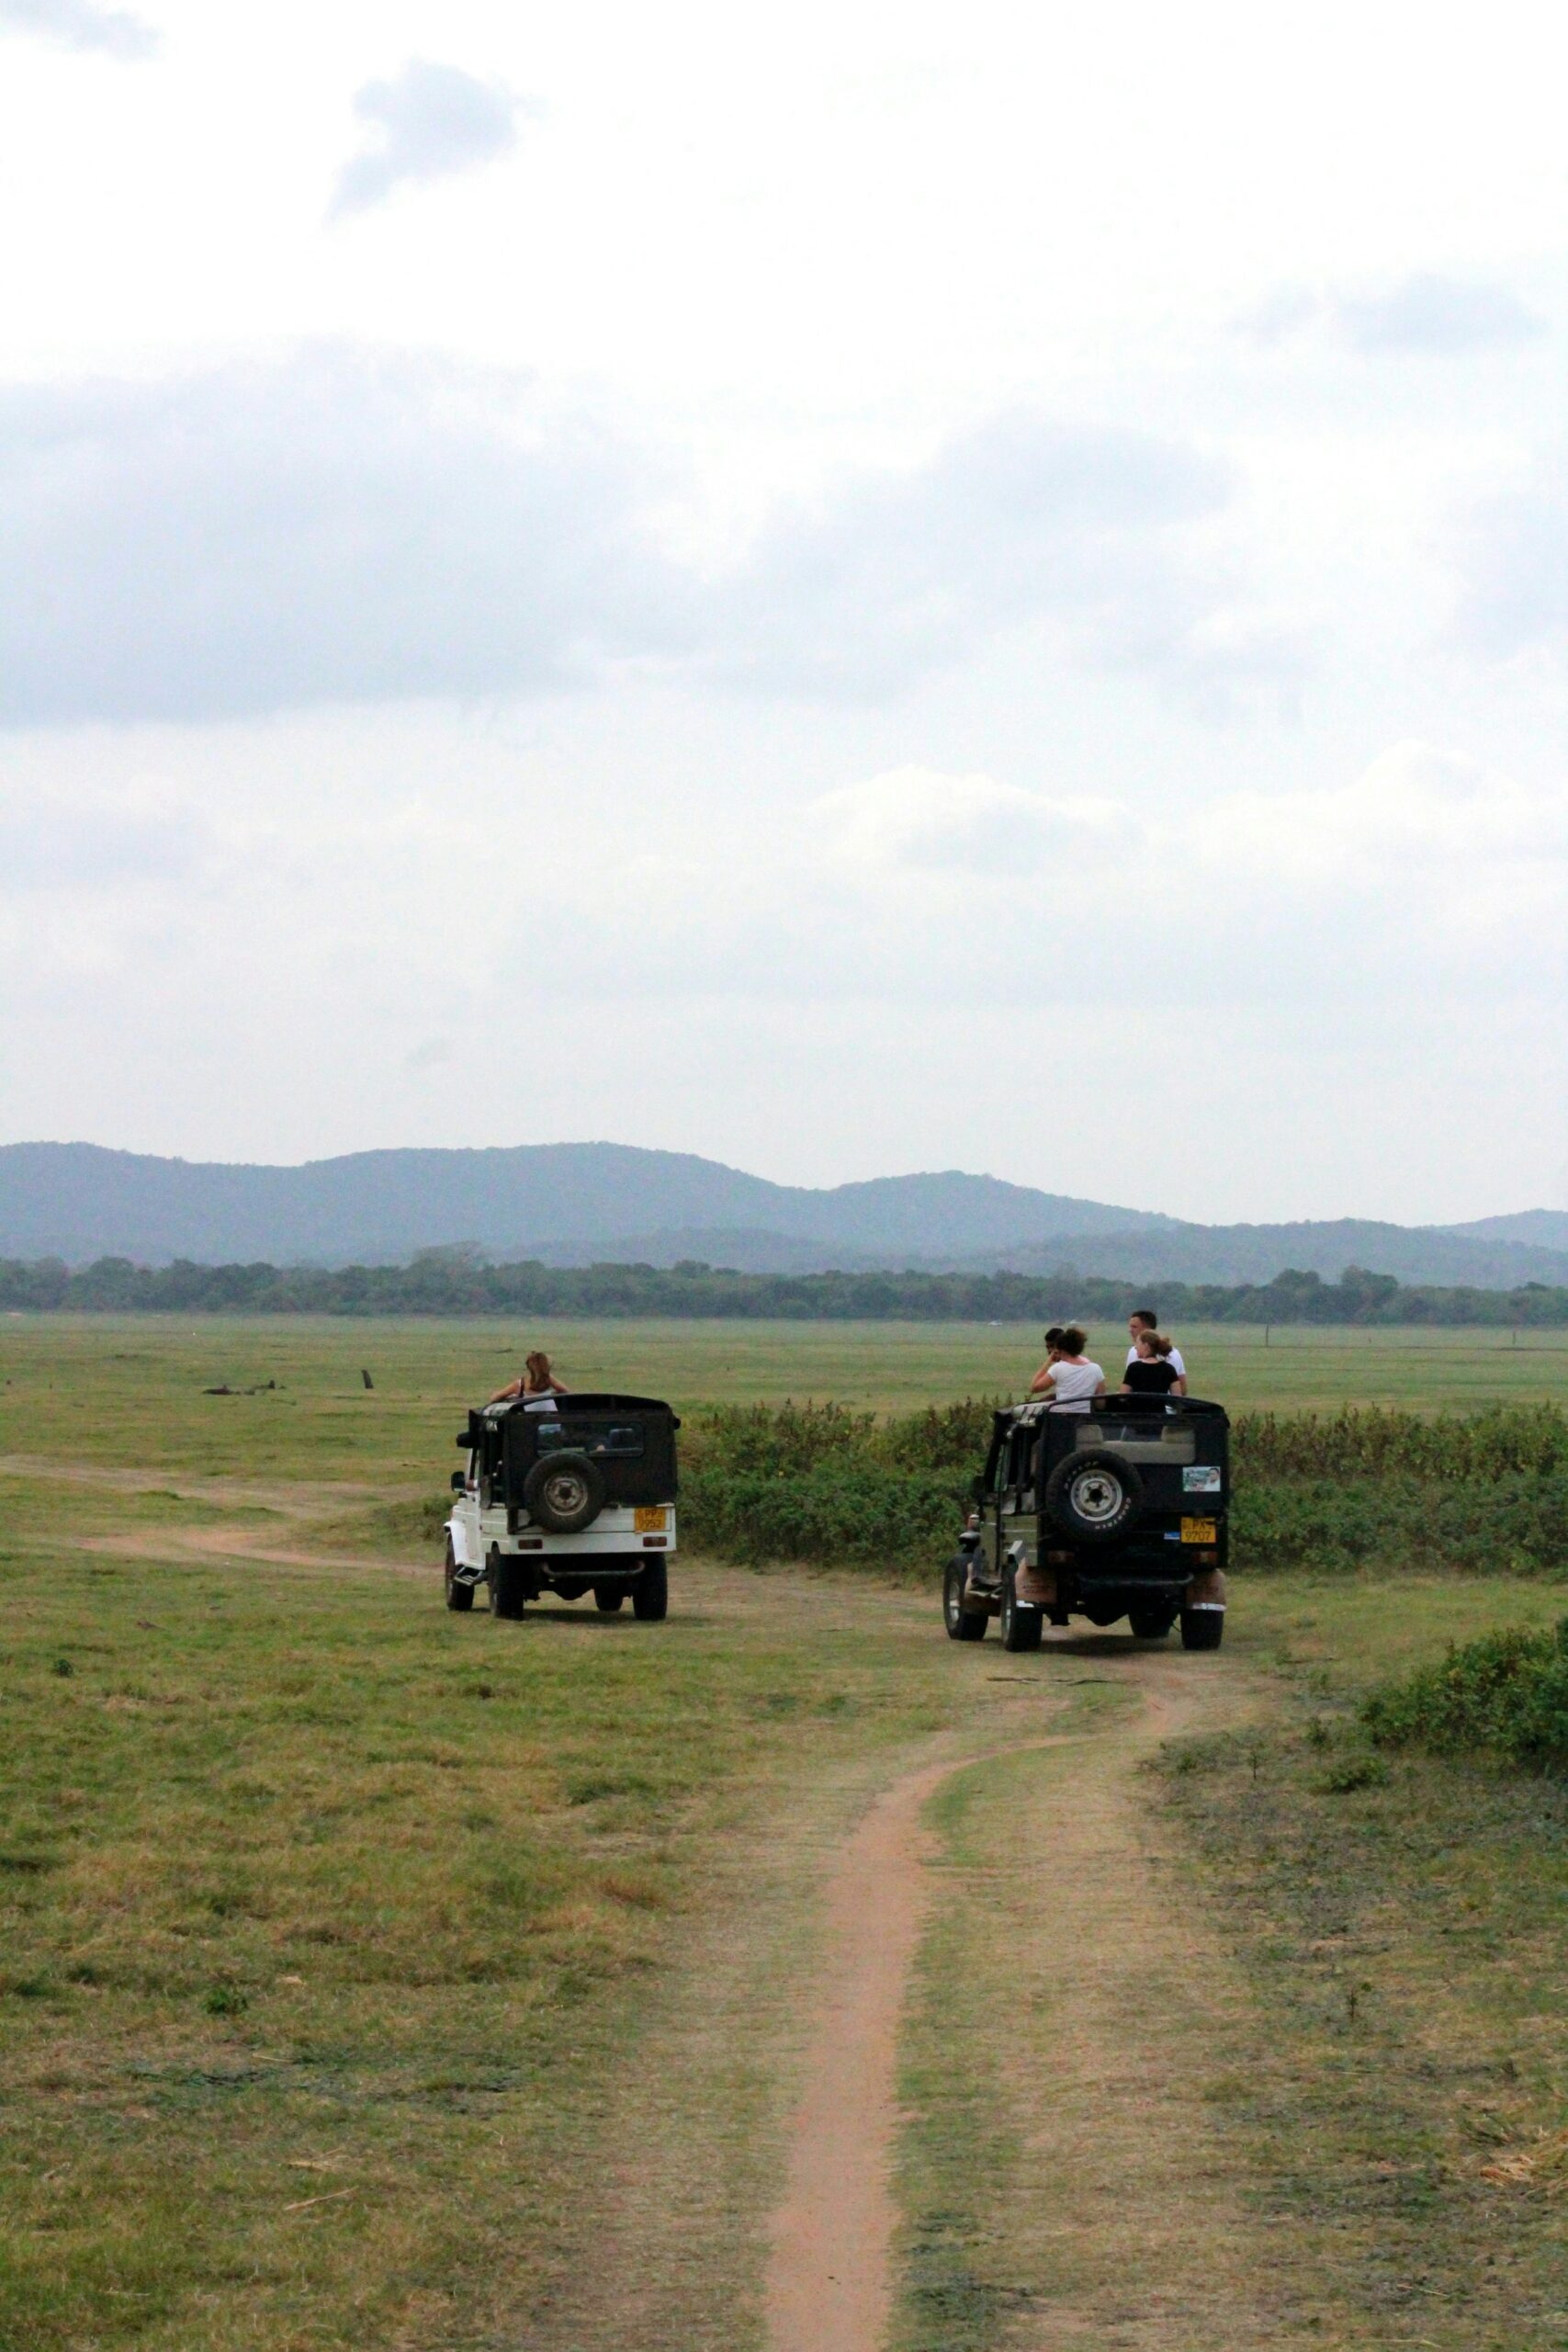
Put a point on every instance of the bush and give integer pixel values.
(1504, 1442)
(1504, 1695)
(821, 1482)
(860, 1513)
(1516, 1523)
(785, 1440)
(1331, 1493)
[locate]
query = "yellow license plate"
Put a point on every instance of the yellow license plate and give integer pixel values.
(648, 1518)
(1200, 1531)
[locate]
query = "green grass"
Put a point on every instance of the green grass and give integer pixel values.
(309, 1890)
(1400, 1921)
(331, 1923)
(130, 1388)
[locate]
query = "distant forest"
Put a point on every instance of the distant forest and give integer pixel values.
(454, 1282)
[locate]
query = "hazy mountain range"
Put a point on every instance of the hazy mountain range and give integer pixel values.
(575, 1203)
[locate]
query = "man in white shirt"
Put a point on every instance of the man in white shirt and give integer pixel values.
(1147, 1319)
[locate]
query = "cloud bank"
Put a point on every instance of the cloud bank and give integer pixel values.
(79, 24)
(1424, 315)
(340, 529)
(335, 528)
(1437, 315)
(899, 572)
(1514, 559)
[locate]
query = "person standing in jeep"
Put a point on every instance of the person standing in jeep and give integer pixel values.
(1068, 1378)
(1147, 1319)
(536, 1380)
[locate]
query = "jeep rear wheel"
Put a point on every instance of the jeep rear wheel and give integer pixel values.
(1021, 1627)
(1202, 1628)
(962, 1624)
(505, 1577)
(650, 1593)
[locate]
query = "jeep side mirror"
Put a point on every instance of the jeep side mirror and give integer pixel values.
(977, 1488)
(459, 1482)
(462, 1439)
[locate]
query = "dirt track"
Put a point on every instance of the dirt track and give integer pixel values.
(829, 2286)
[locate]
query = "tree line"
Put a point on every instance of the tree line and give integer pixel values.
(459, 1281)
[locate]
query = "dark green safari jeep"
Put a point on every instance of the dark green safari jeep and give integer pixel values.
(1119, 1510)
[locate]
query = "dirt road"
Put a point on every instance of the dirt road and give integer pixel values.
(766, 2210)
(753, 2189)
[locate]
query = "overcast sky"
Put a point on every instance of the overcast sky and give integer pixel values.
(850, 589)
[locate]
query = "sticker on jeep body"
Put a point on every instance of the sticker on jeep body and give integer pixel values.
(1202, 1479)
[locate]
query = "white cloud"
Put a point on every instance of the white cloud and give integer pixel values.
(343, 526)
(1425, 314)
(79, 24)
(426, 123)
(900, 570)
(1437, 315)
(919, 820)
(103, 841)
(1513, 556)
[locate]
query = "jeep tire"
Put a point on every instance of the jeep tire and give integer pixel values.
(505, 1575)
(1202, 1628)
(1021, 1627)
(1095, 1496)
(650, 1593)
(962, 1624)
(564, 1493)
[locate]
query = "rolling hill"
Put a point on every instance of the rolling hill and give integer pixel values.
(574, 1203)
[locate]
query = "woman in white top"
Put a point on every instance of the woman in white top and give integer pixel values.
(536, 1385)
(1068, 1378)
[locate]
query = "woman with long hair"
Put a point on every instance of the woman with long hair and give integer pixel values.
(534, 1381)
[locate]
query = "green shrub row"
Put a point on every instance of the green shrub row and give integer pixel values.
(1503, 1442)
(865, 1516)
(785, 1440)
(1516, 1525)
(866, 1513)
(1330, 1494)
(1504, 1695)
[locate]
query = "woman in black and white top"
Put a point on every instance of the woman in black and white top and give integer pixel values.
(1150, 1371)
(1142, 1319)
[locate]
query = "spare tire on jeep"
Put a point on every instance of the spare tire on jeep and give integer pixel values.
(565, 1492)
(1094, 1496)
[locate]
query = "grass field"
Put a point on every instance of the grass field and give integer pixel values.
(374, 1976)
(130, 1388)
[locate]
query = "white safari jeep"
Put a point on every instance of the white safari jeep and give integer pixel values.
(565, 1494)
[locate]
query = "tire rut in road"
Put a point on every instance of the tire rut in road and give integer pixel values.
(829, 2282)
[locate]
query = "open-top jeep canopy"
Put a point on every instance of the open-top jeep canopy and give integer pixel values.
(631, 1440)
